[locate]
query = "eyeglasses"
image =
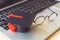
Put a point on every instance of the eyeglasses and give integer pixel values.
(40, 20)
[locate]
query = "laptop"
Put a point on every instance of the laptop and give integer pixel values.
(24, 12)
(33, 7)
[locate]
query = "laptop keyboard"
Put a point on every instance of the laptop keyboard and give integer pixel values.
(28, 7)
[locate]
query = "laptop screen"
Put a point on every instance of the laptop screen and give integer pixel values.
(4, 3)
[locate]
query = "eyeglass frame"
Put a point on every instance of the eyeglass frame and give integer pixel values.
(45, 17)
